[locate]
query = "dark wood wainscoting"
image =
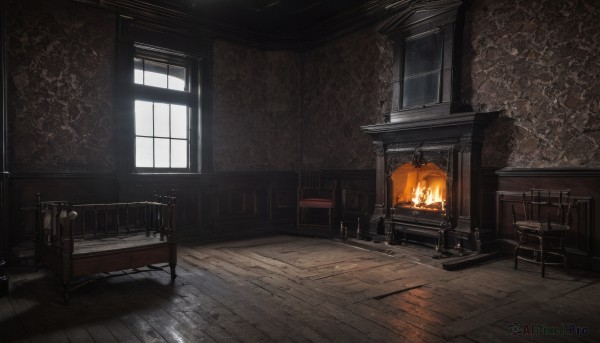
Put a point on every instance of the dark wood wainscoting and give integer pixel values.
(4, 215)
(355, 197)
(583, 240)
(212, 206)
(217, 206)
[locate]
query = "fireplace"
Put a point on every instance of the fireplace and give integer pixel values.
(427, 178)
(429, 146)
(419, 187)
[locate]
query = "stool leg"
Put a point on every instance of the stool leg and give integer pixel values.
(564, 255)
(516, 255)
(173, 273)
(542, 255)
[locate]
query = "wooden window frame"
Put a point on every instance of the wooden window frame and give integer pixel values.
(136, 38)
(447, 18)
(188, 98)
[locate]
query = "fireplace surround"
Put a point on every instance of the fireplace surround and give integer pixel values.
(417, 157)
(429, 146)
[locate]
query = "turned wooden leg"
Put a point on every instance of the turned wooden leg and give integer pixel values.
(173, 274)
(542, 256)
(66, 295)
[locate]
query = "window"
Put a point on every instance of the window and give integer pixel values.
(164, 101)
(426, 74)
(422, 70)
(162, 75)
(161, 135)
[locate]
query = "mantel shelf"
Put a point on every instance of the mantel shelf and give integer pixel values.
(450, 120)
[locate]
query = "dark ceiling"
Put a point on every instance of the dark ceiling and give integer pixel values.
(265, 23)
(270, 16)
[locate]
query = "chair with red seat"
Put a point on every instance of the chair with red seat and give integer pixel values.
(312, 194)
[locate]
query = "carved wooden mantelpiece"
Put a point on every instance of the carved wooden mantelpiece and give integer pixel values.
(453, 143)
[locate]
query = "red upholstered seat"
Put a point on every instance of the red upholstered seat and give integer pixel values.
(312, 195)
(316, 203)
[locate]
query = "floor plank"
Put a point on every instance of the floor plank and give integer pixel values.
(294, 289)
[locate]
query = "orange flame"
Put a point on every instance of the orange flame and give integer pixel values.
(425, 195)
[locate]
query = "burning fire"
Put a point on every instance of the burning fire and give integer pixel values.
(425, 195)
(424, 187)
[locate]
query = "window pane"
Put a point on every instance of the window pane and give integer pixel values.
(143, 152)
(179, 121)
(161, 153)
(421, 90)
(423, 54)
(162, 129)
(155, 74)
(179, 153)
(138, 71)
(161, 120)
(143, 118)
(176, 78)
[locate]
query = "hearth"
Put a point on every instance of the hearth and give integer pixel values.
(427, 178)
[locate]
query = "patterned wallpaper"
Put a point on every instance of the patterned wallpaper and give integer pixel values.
(537, 61)
(256, 109)
(345, 85)
(61, 68)
(289, 111)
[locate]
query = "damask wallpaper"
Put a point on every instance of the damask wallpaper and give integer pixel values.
(289, 110)
(536, 61)
(60, 78)
(256, 109)
(345, 85)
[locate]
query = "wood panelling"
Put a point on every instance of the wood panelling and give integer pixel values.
(283, 198)
(209, 206)
(4, 232)
(356, 198)
(485, 218)
(3, 136)
(190, 190)
(226, 205)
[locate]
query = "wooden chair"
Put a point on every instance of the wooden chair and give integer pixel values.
(312, 195)
(540, 235)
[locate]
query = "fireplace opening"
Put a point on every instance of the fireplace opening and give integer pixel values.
(422, 187)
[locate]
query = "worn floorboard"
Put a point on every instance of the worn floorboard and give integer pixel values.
(294, 289)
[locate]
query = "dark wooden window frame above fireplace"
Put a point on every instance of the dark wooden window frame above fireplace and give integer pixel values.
(418, 23)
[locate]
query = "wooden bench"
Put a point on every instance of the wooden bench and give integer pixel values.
(77, 240)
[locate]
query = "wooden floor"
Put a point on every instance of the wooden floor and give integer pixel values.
(294, 289)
